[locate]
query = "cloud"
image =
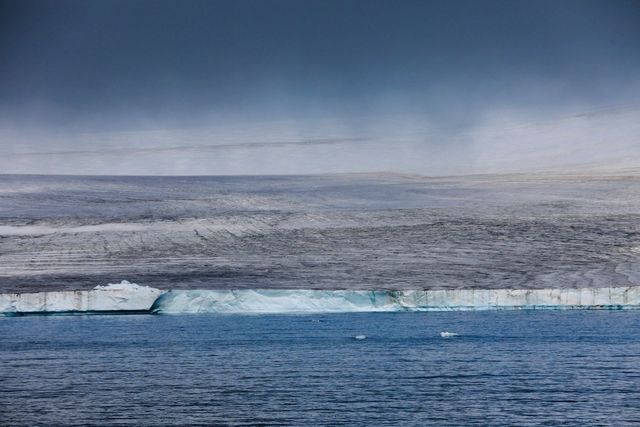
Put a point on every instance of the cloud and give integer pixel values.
(290, 87)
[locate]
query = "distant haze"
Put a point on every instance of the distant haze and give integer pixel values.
(294, 87)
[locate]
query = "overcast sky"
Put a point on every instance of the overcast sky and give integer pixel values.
(270, 86)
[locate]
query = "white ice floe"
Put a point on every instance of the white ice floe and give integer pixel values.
(446, 334)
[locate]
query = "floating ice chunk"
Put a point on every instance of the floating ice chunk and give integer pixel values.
(446, 334)
(360, 337)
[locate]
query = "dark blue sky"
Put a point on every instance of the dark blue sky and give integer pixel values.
(94, 66)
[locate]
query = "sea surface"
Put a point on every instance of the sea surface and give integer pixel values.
(505, 368)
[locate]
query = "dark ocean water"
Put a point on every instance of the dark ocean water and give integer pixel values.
(505, 368)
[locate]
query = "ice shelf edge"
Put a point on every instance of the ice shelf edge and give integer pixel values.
(129, 298)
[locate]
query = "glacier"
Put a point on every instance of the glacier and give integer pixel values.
(371, 231)
(269, 301)
(123, 297)
(126, 297)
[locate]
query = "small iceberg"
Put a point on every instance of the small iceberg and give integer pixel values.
(360, 337)
(446, 334)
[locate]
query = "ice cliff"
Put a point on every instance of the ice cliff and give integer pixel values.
(121, 297)
(315, 301)
(128, 297)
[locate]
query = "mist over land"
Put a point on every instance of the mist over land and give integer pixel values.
(502, 142)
